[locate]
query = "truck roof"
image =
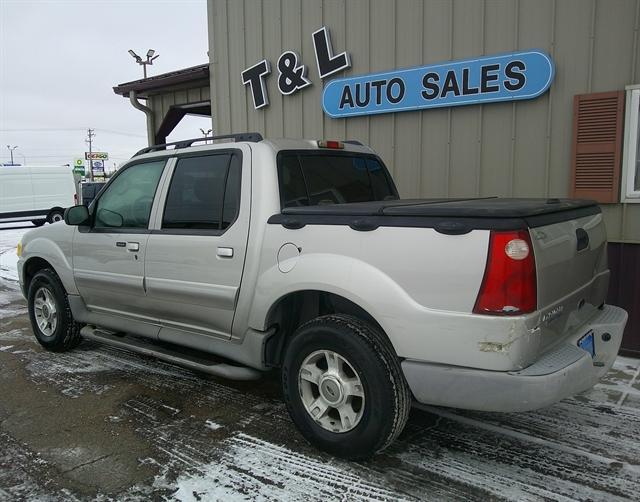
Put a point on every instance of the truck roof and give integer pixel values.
(252, 139)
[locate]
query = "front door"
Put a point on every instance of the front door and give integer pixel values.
(108, 256)
(195, 256)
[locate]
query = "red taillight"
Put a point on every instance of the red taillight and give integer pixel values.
(336, 145)
(509, 283)
(75, 199)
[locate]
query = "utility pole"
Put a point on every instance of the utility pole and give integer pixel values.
(89, 140)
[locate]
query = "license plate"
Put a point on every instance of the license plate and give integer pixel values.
(587, 343)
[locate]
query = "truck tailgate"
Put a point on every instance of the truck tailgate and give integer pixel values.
(572, 274)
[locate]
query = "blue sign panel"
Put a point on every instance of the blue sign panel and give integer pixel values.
(506, 77)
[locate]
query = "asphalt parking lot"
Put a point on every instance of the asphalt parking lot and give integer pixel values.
(101, 423)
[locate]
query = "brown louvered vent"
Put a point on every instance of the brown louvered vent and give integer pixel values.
(597, 146)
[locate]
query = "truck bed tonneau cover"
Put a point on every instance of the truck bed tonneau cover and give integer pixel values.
(459, 215)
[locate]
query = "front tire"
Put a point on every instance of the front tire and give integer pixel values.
(38, 223)
(50, 315)
(344, 387)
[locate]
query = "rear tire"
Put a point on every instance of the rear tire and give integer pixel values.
(344, 388)
(55, 216)
(38, 223)
(50, 315)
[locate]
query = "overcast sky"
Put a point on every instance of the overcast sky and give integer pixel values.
(59, 60)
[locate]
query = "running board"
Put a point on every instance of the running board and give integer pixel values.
(193, 363)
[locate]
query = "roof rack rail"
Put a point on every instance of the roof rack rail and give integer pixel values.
(253, 137)
(353, 142)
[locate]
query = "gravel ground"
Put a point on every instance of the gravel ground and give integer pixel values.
(100, 423)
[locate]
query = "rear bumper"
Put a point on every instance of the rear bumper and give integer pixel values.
(560, 373)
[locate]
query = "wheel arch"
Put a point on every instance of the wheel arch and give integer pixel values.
(43, 252)
(295, 308)
(31, 267)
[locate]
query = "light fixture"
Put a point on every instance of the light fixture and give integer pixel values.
(151, 56)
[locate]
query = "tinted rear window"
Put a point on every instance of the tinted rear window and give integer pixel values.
(311, 179)
(204, 193)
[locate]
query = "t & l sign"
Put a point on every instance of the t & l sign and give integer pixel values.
(292, 74)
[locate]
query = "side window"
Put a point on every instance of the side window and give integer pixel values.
(204, 193)
(128, 200)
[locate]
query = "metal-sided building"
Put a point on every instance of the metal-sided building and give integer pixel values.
(570, 129)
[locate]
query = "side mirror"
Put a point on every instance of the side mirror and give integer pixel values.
(76, 215)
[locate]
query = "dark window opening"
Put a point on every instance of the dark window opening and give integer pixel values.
(311, 179)
(204, 193)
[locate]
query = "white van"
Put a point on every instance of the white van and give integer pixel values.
(36, 193)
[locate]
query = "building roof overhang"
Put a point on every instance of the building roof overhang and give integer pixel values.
(195, 76)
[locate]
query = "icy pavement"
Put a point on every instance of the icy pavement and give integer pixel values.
(10, 234)
(102, 423)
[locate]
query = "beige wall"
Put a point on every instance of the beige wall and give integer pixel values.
(162, 103)
(509, 149)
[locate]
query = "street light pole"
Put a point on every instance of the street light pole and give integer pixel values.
(11, 149)
(206, 133)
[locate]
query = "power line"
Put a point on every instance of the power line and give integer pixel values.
(71, 129)
(110, 131)
(63, 156)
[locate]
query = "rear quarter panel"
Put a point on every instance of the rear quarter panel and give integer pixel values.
(418, 284)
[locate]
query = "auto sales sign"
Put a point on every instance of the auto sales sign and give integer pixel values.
(505, 77)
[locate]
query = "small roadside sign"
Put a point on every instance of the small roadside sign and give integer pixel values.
(97, 167)
(78, 167)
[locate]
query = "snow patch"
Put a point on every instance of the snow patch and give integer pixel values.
(9, 238)
(254, 469)
(14, 334)
(210, 424)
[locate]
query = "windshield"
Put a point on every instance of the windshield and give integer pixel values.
(312, 178)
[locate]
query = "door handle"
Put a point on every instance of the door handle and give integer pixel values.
(225, 252)
(133, 246)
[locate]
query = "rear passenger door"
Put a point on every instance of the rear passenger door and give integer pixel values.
(195, 253)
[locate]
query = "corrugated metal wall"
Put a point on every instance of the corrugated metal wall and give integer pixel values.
(162, 103)
(508, 149)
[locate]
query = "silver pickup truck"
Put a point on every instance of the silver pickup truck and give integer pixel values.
(299, 255)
